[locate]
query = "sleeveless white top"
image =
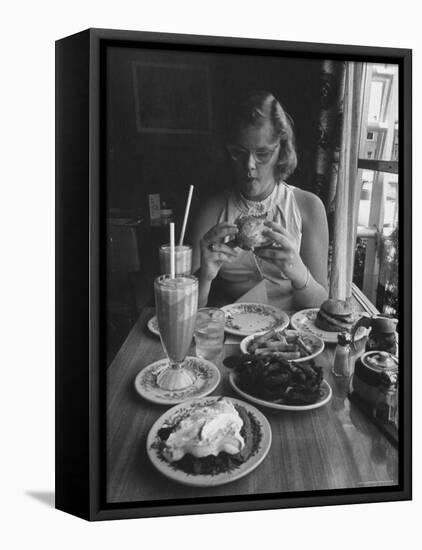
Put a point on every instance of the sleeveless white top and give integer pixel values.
(243, 274)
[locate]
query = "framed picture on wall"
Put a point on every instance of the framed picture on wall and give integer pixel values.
(163, 108)
(233, 290)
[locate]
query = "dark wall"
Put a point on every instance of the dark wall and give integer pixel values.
(141, 162)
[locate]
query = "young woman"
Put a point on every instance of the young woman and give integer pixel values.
(262, 153)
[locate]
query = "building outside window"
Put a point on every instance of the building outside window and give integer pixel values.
(376, 259)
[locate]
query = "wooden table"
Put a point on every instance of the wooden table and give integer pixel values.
(333, 447)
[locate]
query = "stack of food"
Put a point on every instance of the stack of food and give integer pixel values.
(277, 380)
(335, 316)
(290, 345)
(209, 439)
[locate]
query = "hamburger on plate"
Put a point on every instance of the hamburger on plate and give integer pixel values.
(335, 316)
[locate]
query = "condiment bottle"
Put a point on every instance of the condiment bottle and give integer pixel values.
(386, 405)
(342, 356)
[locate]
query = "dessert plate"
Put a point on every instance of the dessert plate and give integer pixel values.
(207, 379)
(260, 445)
(304, 321)
(243, 319)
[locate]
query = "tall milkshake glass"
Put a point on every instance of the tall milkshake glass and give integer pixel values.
(176, 302)
(182, 258)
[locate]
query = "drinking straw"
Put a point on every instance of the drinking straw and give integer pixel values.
(185, 219)
(172, 253)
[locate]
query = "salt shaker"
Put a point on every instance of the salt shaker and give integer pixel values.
(342, 356)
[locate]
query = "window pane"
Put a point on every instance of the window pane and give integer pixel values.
(381, 141)
(365, 198)
(383, 214)
(375, 103)
(376, 253)
(390, 203)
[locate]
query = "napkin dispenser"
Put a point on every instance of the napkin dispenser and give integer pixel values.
(375, 384)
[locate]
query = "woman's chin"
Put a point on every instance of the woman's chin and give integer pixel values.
(251, 188)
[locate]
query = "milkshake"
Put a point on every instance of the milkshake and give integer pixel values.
(176, 302)
(183, 259)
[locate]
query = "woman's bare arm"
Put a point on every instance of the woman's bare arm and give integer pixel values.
(314, 249)
(205, 218)
(209, 250)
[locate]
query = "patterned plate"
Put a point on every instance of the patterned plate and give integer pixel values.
(305, 321)
(323, 400)
(261, 445)
(315, 343)
(207, 379)
(153, 325)
(243, 319)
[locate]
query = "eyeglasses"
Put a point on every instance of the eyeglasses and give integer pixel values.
(261, 156)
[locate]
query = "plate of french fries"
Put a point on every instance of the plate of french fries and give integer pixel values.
(290, 345)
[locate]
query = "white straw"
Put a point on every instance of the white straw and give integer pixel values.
(182, 234)
(172, 253)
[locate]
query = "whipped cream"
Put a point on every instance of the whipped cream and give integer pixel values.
(206, 431)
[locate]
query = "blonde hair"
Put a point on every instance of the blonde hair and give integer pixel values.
(255, 109)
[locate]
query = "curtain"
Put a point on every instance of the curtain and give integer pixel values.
(336, 179)
(329, 134)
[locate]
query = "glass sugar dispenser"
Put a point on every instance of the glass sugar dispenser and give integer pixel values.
(343, 361)
(375, 383)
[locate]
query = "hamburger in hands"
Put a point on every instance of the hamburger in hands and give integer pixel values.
(251, 233)
(335, 316)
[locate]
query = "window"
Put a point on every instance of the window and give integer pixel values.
(376, 258)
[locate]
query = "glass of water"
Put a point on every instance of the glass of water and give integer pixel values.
(209, 333)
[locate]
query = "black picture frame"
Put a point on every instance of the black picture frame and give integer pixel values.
(81, 268)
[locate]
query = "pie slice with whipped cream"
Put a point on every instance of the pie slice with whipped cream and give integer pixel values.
(207, 431)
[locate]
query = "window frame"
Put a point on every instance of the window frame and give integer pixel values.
(387, 126)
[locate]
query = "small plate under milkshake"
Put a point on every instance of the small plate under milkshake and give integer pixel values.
(206, 379)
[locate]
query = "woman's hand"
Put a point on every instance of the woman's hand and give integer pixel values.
(214, 252)
(284, 254)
